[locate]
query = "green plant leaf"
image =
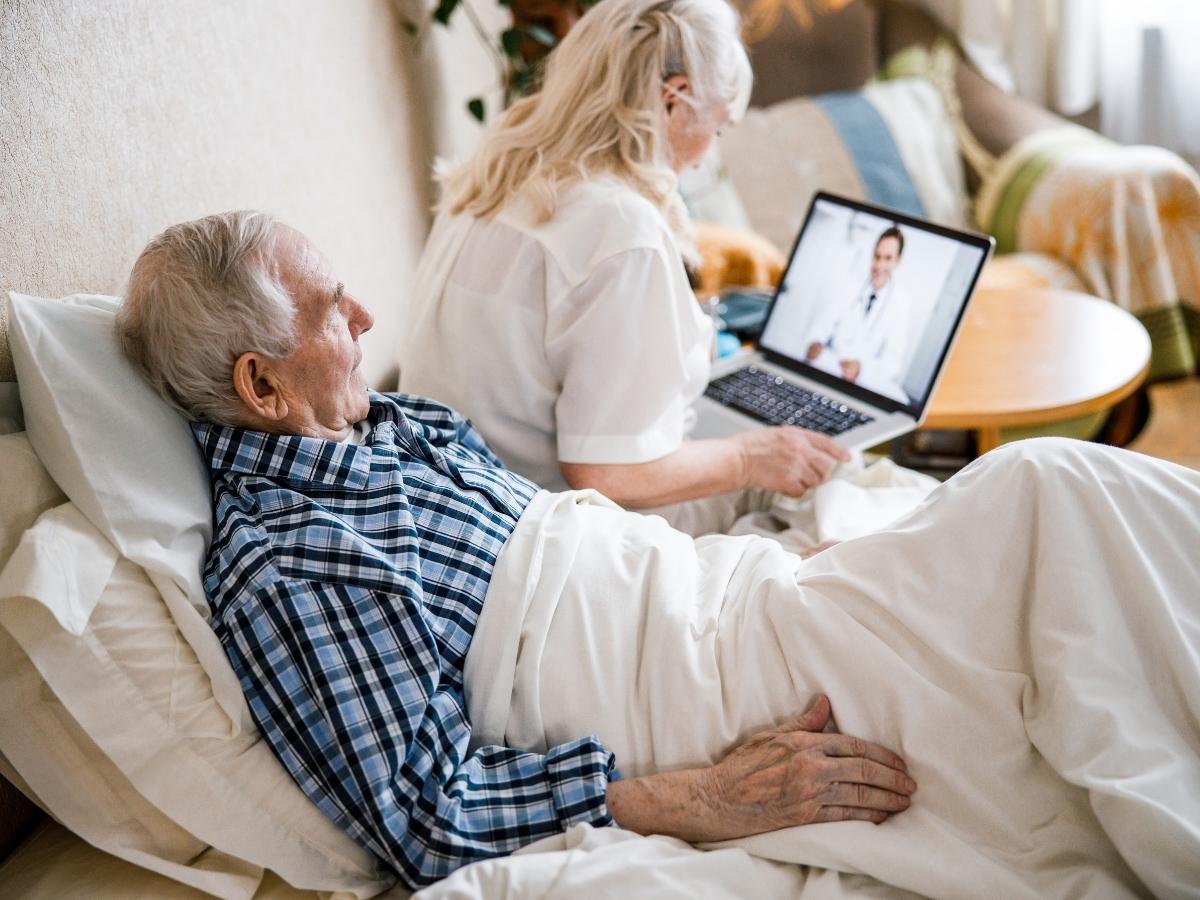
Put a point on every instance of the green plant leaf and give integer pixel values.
(475, 108)
(541, 35)
(521, 78)
(445, 9)
(510, 40)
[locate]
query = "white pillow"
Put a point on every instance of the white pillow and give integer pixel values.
(112, 724)
(27, 488)
(124, 457)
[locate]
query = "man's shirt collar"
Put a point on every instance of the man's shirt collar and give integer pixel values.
(295, 458)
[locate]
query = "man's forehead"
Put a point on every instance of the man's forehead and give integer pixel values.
(304, 270)
(298, 255)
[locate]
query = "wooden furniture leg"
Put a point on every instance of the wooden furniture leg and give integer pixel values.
(986, 439)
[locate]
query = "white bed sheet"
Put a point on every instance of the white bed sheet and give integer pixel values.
(612, 863)
(1029, 640)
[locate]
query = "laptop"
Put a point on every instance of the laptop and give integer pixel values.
(858, 330)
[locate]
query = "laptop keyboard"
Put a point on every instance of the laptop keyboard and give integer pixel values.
(769, 398)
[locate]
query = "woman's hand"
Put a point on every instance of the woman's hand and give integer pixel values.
(787, 459)
(792, 775)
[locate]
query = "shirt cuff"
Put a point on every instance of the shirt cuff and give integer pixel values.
(579, 774)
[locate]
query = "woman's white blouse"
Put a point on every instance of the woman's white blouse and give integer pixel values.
(578, 339)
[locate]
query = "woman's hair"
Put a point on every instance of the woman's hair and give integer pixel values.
(600, 112)
(200, 295)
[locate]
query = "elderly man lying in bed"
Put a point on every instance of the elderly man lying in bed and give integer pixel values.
(451, 664)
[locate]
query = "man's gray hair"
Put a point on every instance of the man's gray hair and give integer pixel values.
(200, 295)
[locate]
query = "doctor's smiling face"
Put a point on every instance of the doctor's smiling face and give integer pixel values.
(318, 389)
(886, 258)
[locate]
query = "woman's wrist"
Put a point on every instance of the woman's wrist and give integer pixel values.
(743, 467)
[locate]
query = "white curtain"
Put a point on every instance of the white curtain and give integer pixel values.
(1138, 59)
(1150, 73)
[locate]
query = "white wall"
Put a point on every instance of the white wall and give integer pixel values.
(120, 117)
(453, 65)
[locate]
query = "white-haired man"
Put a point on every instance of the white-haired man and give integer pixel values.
(358, 535)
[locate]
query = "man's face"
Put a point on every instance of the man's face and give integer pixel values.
(322, 377)
(887, 255)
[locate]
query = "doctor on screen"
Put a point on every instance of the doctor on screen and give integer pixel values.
(869, 338)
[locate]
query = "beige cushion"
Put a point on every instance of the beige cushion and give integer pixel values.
(779, 156)
(28, 491)
(7, 372)
(54, 863)
(116, 730)
(10, 408)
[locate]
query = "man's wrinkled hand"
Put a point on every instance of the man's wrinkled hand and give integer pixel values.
(798, 775)
(791, 775)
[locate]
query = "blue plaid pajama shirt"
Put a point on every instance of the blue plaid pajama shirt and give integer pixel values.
(345, 582)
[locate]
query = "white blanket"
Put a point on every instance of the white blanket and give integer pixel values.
(1028, 639)
(858, 499)
(609, 862)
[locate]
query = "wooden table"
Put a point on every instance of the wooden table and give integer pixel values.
(1034, 357)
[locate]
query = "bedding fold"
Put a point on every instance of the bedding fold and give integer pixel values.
(1028, 639)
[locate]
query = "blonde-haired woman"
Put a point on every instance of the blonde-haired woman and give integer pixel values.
(552, 305)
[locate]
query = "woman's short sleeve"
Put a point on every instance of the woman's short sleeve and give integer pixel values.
(631, 351)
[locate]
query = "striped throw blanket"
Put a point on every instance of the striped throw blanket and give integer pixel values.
(1126, 219)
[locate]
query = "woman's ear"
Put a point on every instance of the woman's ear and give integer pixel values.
(257, 383)
(673, 87)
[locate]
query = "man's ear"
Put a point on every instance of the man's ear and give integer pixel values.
(257, 384)
(672, 87)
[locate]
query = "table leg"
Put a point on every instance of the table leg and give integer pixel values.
(986, 439)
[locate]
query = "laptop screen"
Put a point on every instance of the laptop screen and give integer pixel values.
(871, 300)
